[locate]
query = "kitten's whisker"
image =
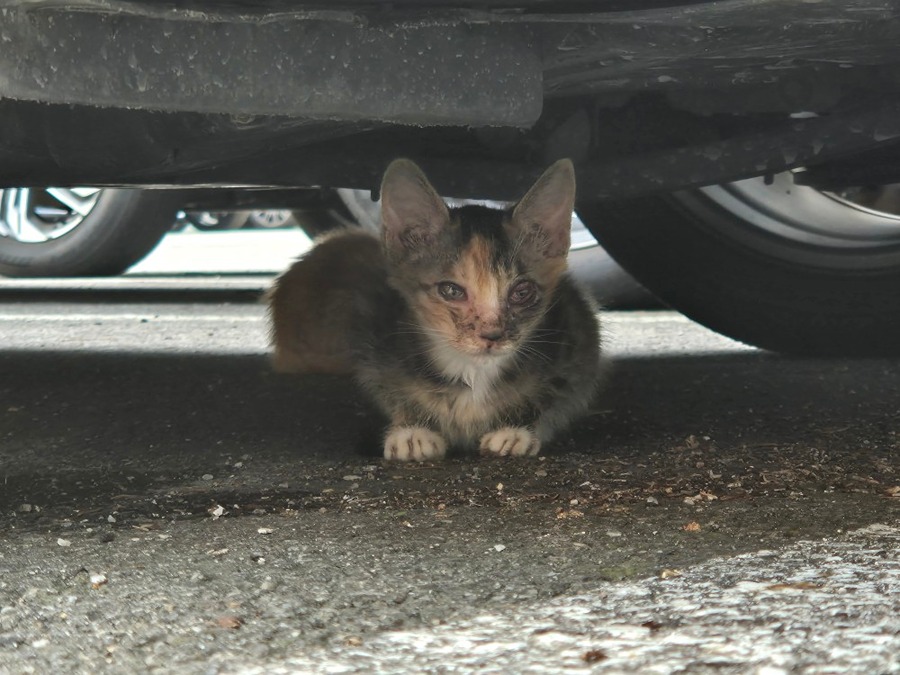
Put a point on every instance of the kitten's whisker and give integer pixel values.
(539, 356)
(413, 329)
(547, 342)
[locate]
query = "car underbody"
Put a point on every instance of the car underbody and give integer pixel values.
(645, 97)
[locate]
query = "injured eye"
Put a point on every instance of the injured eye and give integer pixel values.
(523, 293)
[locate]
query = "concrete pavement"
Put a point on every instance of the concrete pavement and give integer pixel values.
(168, 504)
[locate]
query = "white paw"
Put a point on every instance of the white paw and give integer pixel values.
(510, 442)
(413, 444)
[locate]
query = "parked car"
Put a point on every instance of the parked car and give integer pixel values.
(711, 139)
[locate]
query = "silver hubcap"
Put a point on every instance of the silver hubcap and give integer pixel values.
(33, 216)
(270, 218)
(806, 215)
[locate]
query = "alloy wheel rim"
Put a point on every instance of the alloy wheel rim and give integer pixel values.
(806, 215)
(35, 216)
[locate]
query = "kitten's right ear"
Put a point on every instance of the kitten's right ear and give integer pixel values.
(544, 215)
(412, 213)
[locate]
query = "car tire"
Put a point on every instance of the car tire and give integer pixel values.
(775, 265)
(611, 286)
(114, 231)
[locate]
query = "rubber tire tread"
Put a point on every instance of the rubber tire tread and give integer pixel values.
(680, 249)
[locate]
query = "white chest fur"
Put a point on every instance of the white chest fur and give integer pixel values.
(479, 373)
(471, 410)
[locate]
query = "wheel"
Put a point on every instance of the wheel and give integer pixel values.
(69, 232)
(359, 205)
(780, 266)
(210, 221)
(271, 218)
(596, 270)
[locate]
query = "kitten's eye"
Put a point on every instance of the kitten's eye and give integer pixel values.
(523, 293)
(451, 291)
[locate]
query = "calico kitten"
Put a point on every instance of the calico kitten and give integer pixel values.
(461, 323)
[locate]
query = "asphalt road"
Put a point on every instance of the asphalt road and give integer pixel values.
(168, 504)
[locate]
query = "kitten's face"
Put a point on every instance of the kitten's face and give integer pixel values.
(478, 279)
(477, 296)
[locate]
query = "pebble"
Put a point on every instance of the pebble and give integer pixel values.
(63, 542)
(206, 476)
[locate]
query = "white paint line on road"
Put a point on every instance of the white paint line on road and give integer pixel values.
(172, 318)
(101, 327)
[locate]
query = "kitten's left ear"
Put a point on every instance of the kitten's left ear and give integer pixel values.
(413, 216)
(543, 216)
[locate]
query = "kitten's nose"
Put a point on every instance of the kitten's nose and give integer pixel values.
(491, 334)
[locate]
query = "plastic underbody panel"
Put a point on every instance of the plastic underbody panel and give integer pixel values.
(643, 96)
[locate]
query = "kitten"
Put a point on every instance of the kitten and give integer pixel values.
(461, 323)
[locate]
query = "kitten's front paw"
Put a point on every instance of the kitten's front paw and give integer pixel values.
(510, 442)
(413, 444)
